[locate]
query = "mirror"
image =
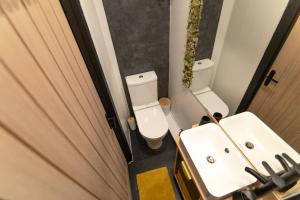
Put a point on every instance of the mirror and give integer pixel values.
(252, 65)
(233, 37)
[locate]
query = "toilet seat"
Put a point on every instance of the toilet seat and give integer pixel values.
(152, 122)
(212, 102)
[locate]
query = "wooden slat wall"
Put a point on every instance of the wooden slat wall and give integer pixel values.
(55, 141)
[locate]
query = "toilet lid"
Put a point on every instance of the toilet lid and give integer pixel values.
(213, 103)
(152, 122)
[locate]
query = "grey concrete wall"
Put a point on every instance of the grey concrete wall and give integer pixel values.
(208, 28)
(140, 34)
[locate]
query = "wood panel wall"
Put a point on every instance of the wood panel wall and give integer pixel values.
(278, 104)
(55, 142)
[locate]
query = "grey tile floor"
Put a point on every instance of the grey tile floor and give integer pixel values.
(147, 159)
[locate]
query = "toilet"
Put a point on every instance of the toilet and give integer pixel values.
(150, 117)
(202, 75)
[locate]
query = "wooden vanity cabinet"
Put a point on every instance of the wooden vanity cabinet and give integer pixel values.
(190, 183)
(184, 180)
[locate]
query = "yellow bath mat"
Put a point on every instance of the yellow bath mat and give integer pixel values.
(155, 185)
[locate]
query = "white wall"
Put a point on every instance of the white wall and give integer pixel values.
(249, 32)
(96, 19)
(224, 20)
(185, 108)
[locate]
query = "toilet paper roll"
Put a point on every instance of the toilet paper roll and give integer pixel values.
(165, 104)
(131, 123)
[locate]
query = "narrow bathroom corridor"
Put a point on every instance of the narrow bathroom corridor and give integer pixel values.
(149, 100)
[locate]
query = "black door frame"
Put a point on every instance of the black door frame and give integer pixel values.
(280, 35)
(75, 17)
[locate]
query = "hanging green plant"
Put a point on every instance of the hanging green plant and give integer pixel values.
(192, 40)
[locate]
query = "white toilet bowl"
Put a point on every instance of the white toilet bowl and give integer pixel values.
(152, 124)
(212, 102)
(203, 72)
(150, 118)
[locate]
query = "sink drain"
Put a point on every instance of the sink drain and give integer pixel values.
(249, 145)
(210, 159)
(226, 150)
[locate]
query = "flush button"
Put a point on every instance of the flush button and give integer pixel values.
(141, 76)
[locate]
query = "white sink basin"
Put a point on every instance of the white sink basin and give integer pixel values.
(246, 127)
(227, 173)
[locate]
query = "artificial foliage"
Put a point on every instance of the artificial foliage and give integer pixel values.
(192, 40)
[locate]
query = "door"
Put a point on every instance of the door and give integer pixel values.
(55, 142)
(79, 27)
(277, 101)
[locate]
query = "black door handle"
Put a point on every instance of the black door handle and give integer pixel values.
(111, 120)
(270, 78)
